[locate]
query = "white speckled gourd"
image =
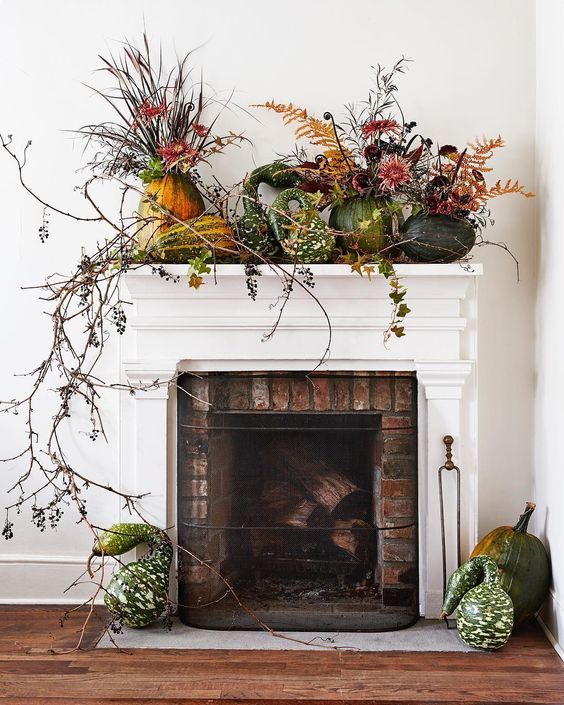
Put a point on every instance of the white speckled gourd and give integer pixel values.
(138, 592)
(485, 610)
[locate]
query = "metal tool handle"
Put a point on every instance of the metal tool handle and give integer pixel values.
(449, 466)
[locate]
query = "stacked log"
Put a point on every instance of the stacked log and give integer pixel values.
(305, 491)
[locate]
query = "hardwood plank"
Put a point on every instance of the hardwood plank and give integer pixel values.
(527, 671)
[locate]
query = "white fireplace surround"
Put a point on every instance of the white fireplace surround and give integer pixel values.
(219, 328)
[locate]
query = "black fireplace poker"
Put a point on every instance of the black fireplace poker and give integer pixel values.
(449, 466)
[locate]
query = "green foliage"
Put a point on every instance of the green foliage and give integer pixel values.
(198, 266)
(155, 170)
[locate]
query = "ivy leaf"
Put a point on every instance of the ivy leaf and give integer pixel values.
(397, 296)
(369, 270)
(403, 310)
(398, 331)
(364, 224)
(195, 281)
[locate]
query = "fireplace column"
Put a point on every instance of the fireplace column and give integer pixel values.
(441, 394)
(148, 464)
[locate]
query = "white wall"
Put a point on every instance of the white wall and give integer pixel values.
(470, 77)
(549, 387)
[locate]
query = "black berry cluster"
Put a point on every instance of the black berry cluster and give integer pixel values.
(38, 517)
(251, 273)
(44, 229)
(307, 275)
(7, 531)
(118, 318)
(164, 274)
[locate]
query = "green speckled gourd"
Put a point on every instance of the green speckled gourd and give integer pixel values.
(138, 592)
(485, 610)
(252, 227)
(303, 235)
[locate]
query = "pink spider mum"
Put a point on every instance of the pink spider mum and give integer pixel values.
(393, 172)
(175, 152)
(380, 127)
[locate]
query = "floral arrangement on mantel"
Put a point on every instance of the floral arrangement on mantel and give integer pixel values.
(369, 173)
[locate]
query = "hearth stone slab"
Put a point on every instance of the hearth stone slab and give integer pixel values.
(425, 635)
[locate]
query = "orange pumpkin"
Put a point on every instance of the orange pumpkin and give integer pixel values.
(173, 197)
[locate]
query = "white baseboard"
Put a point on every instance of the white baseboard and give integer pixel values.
(551, 621)
(29, 579)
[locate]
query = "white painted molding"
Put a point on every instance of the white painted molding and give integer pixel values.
(551, 620)
(21, 574)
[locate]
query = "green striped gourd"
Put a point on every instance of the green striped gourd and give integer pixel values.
(252, 227)
(303, 235)
(137, 592)
(182, 243)
(485, 610)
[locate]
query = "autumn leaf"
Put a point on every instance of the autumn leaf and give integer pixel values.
(195, 281)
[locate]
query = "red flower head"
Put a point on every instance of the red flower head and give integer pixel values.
(380, 127)
(393, 172)
(200, 130)
(147, 112)
(361, 181)
(175, 152)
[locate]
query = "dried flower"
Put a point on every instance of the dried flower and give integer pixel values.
(175, 152)
(147, 112)
(361, 181)
(372, 153)
(448, 150)
(393, 172)
(380, 127)
(200, 130)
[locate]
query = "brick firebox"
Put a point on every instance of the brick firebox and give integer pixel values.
(205, 493)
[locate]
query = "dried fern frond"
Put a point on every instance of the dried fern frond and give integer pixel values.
(468, 169)
(499, 189)
(318, 133)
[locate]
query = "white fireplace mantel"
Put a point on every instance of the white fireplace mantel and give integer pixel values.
(218, 327)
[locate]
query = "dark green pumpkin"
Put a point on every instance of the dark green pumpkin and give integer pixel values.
(436, 238)
(523, 563)
(368, 219)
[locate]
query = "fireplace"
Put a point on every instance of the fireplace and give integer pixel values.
(218, 331)
(301, 492)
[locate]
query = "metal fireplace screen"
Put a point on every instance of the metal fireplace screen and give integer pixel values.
(291, 524)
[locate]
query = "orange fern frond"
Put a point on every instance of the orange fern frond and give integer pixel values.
(499, 189)
(317, 132)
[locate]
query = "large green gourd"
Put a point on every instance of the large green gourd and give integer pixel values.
(523, 563)
(303, 235)
(436, 238)
(368, 219)
(252, 226)
(138, 592)
(485, 610)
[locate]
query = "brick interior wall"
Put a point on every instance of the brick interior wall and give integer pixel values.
(204, 493)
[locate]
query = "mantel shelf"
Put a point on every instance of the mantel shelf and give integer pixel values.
(456, 269)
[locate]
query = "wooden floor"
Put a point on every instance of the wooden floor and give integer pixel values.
(526, 671)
